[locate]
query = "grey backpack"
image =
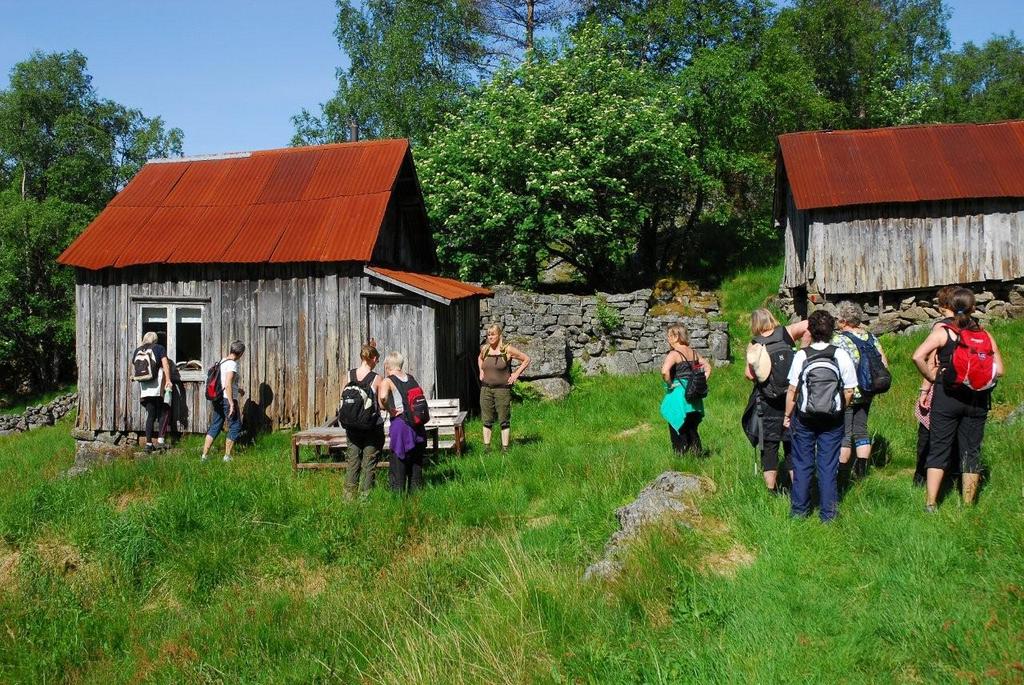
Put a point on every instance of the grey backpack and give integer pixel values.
(820, 393)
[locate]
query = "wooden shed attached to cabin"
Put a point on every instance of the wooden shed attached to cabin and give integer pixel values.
(902, 209)
(304, 254)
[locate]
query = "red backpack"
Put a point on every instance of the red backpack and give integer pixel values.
(214, 390)
(972, 365)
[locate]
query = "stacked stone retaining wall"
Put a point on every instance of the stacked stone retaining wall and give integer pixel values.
(38, 416)
(908, 311)
(605, 333)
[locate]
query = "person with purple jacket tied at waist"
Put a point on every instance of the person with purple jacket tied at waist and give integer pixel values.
(408, 442)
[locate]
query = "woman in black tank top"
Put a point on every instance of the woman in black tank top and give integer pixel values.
(766, 330)
(957, 413)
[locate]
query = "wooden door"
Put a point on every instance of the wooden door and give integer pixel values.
(398, 324)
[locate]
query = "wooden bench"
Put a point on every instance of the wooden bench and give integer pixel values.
(445, 430)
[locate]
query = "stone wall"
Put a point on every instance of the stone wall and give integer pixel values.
(908, 311)
(38, 416)
(610, 333)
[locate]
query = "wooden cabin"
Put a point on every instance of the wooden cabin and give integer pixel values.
(900, 209)
(304, 254)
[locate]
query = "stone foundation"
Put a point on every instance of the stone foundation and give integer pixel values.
(102, 447)
(908, 311)
(39, 416)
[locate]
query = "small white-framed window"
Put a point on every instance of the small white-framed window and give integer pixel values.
(179, 328)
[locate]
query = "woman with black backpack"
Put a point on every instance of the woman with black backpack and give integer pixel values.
(361, 418)
(685, 374)
(866, 352)
(969, 365)
(769, 357)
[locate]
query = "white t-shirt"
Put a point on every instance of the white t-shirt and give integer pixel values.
(230, 365)
(847, 371)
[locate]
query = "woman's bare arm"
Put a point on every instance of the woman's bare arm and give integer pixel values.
(922, 355)
(522, 358)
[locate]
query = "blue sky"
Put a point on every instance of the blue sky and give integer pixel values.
(231, 73)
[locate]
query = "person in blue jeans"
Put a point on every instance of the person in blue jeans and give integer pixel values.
(226, 409)
(818, 439)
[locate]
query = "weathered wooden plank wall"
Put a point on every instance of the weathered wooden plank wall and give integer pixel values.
(303, 326)
(874, 248)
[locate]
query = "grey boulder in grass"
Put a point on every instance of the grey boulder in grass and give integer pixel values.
(670, 494)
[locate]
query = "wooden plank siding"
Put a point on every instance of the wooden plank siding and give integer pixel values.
(293, 371)
(878, 248)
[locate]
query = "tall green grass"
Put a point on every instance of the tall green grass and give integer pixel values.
(169, 570)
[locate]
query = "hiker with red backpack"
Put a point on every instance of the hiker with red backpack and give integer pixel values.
(969, 366)
(222, 380)
(821, 383)
(359, 414)
(873, 379)
(769, 357)
(406, 403)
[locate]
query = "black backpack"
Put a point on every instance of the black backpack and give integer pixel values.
(820, 390)
(696, 381)
(416, 413)
(872, 376)
(780, 353)
(144, 364)
(359, 408)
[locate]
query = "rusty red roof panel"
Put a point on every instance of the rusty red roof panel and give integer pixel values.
(904, 164)
(306, 232)
(244, 181)
(260, 233)
(159, 236)
(194, 188)
(290, 177)
(344, 239)
(103, 242)
(151, 185)
(448, 288)
(207, 239)
(248, 207)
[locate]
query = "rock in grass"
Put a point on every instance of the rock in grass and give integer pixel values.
(551, 388)
(667, 495)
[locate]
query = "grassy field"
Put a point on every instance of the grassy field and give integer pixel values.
(168, 570)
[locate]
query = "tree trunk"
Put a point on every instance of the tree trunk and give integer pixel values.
(531, 6)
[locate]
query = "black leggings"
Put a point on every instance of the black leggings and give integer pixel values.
(154, 411)
(957, 430)
(406, 475)
(686, 439)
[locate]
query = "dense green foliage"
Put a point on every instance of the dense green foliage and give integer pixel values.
(531, 142)
(168, 570)
(568, 158)
(64, 152)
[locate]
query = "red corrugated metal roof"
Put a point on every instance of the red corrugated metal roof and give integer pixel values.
(317, 203)
(904, 164)
(445, 288)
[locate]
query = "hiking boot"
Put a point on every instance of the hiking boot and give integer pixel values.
(860, 468)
